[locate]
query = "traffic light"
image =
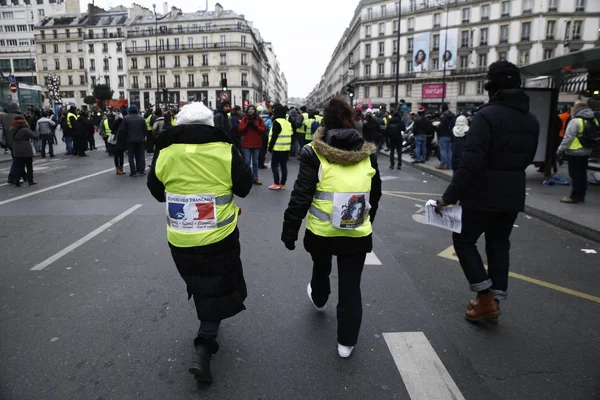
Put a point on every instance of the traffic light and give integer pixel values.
(350, 90)
(224, 84)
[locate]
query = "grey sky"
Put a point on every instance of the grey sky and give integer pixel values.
(304, 33)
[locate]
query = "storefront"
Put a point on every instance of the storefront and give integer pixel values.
(467, 106)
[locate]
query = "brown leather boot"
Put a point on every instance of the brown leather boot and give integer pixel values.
(473, 303)
(485, 308)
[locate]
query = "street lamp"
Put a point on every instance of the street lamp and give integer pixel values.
(398, 54)
(444, 55)
(156, 49)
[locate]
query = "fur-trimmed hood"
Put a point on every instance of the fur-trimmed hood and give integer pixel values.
(342, 146)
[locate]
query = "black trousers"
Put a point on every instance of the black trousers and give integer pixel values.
(80, 145)
(49, 140)
(263, 151)
(137, 160)
(209, 329)
(497, 227)
(24, 168)
(349, 308)
(578, 173)
(91, 141)
(119, 159)
(149, 142)
(395, 145)
(279, 159)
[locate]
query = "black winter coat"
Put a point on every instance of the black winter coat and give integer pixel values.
(342, 146)
(395, 127)
(213, 274)
(501, 143)
(83, 128)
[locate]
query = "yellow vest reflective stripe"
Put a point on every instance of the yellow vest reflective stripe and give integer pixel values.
(307, 125)
(284, 140)
(342, 189)
(149, 123)
(107, 127)
(69, 115)
(174, 121)
(302, 128)
(199, 191)
(576, 143)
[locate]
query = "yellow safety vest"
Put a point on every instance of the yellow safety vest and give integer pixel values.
(107, 130)
(284, 140)
(148, 123)
(69, 115)
(341, 206)
(319, 119)
(199, 193)
(174, 121)
(576, 143)
(302, 128)
(308, 125)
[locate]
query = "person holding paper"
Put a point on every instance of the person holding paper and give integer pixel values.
(490, 186)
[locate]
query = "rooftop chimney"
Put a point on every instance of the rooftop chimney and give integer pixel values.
(165, 8)
(218, 10)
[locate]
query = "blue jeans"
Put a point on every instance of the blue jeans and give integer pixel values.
(251, 155)
(421, 150)
(446, 151)
(137, 158)
(69, 143)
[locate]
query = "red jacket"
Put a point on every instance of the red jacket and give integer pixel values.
(252, 130)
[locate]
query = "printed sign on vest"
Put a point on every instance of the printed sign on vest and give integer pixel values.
(350, 210)
(191, 213)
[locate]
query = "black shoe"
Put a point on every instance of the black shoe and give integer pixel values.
(133, 175)
(52, 156)
(141, 173)
(262, 167)
(399, 167)
(200, 366)
(32, 183)
(391, 167)
(18, 184)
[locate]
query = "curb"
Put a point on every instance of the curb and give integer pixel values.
(545, 216)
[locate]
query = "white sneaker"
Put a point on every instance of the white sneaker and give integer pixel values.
(345, 351)
(309, 291)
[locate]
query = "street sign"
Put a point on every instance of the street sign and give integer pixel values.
(224, 96)
(13, 87)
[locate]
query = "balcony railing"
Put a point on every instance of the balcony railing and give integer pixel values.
(525, 38)
(162, 85)
(483, 43)
(503, 40)
(469, 71)
(549, 37)
(147, 86)
(436, 48)
(177, 84)
(190, 84)
(135, 85)
(65, 36)
(205, 84)
(169, 30)
(244, 83)
(197, 46)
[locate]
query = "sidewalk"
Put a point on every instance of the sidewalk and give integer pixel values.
(543, 201)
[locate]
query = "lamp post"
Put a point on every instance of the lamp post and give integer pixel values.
(398, 54)
(156, 49)
(444, 55)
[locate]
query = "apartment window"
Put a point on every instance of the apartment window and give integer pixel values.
(134, 45)
(466, 15)
(525, 30)
(177, 83)
(161, 62)
(147, 45)
(483, 37)
(80, 46)
(190, 42)
(482, 61)
(45, 65)
(436, 63)
(409, 90)
(464, 62)
(135, 84)
(394, 68)
(177, 62)
(382, 29)
(244, 79)
(436, 42)
(147, 62)
(121, 81)
(134, 63)
(223, 41)
(162, 81)
(548, 54)
(464, 39)
(480, 87)
(82, 80)
(92, 65)
(437, 20)
(190, 60)
(148, 83)
(368, 31)
(504, 34)
(367, 92)
(161, 44)
(70, 80)
(244, 59)
(550, 27)
(552, 5)
(369, 13)
(383, 11)
(502, 55)
(106, 64)
(527, 6)
(506, 8)
(119, 64)
(413, 5)
(191, 80)
(395, 46)
(41, 12)
(119, 47)
(524, 57)
(381, 49)
(55, 48)
(205, 41)
(380, 69)
(368, 50)
(410, 45)
(223, 59)
(462, 88)
(485, 12)
(411, 24)
(205, 59)
(105, 47)
(379, 91)
(54, 33)
(395, 25)
(81, 63)
(367, 70)
(43, 49)
(409, 66)
(577, 28)
(69, 63)
(205, 80)
(580, 5)
(82, 94)
(57, 64)
(91, 48)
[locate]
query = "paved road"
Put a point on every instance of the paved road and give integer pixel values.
(108, 318)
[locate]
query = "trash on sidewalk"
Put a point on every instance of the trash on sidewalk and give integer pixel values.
(556, 180)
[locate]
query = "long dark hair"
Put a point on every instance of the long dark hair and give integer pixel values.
(338, 115)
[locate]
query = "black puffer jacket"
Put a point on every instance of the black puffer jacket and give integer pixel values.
(340, 146)
(395, 127)
(213, 273)
(501, 143)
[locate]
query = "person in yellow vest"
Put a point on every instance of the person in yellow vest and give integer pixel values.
(339, 187)
(196, 171)
(280, 143)
(310, 126)
(149, 118)
(319, 117)
(301, 131)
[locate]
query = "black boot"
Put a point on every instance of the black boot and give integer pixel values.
(200, 366)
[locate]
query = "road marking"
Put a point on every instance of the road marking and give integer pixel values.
(414, 193)
(422, 371)
(450, 254)
(4, 184)
(388, 178)
(84, 239)
(403, 197)
(372, 259)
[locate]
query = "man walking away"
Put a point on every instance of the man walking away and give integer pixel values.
(45, 128)
(69, 130)
(490, 185)
(394, 131)
(445, 138)
(133, 128)
(574, 144)
(82, 128)
(421, 128)
(12, 112)
(221, 118)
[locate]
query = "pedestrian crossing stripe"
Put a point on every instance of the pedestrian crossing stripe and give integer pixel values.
(388, 178)
(372, 259)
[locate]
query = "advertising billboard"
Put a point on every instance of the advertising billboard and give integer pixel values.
(433, 91)
(421, 52)
(449, 48)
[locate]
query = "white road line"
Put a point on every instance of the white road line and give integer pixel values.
(4, 184)
(388, 178)
(84, 239)
(422, 371)
(372, 259)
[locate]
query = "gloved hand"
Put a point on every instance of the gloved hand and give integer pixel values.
(290, 245)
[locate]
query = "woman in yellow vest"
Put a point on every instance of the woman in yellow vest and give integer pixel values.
(280, 143)
(197, 171)
(339, 187)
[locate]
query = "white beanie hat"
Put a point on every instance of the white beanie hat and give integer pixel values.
(195, 113)
(369, 111)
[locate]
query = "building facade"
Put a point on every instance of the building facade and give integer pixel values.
(446, 47)
(18, 19)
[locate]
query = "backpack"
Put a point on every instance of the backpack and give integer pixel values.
(590, 138)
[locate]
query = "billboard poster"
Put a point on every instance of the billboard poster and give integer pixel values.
(433, 91)
(421, 52)
(449, 53)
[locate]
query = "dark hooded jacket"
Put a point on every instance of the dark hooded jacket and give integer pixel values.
(213, 273)
(339, 146)
(222, 121)
(395, 127)
(502, 141)
(11, 112)
(22, 134)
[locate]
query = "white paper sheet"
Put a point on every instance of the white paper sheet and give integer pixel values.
(451, 218)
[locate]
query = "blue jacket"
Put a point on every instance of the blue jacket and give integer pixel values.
(268, 122)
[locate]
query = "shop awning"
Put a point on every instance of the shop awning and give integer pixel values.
(575, 84)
